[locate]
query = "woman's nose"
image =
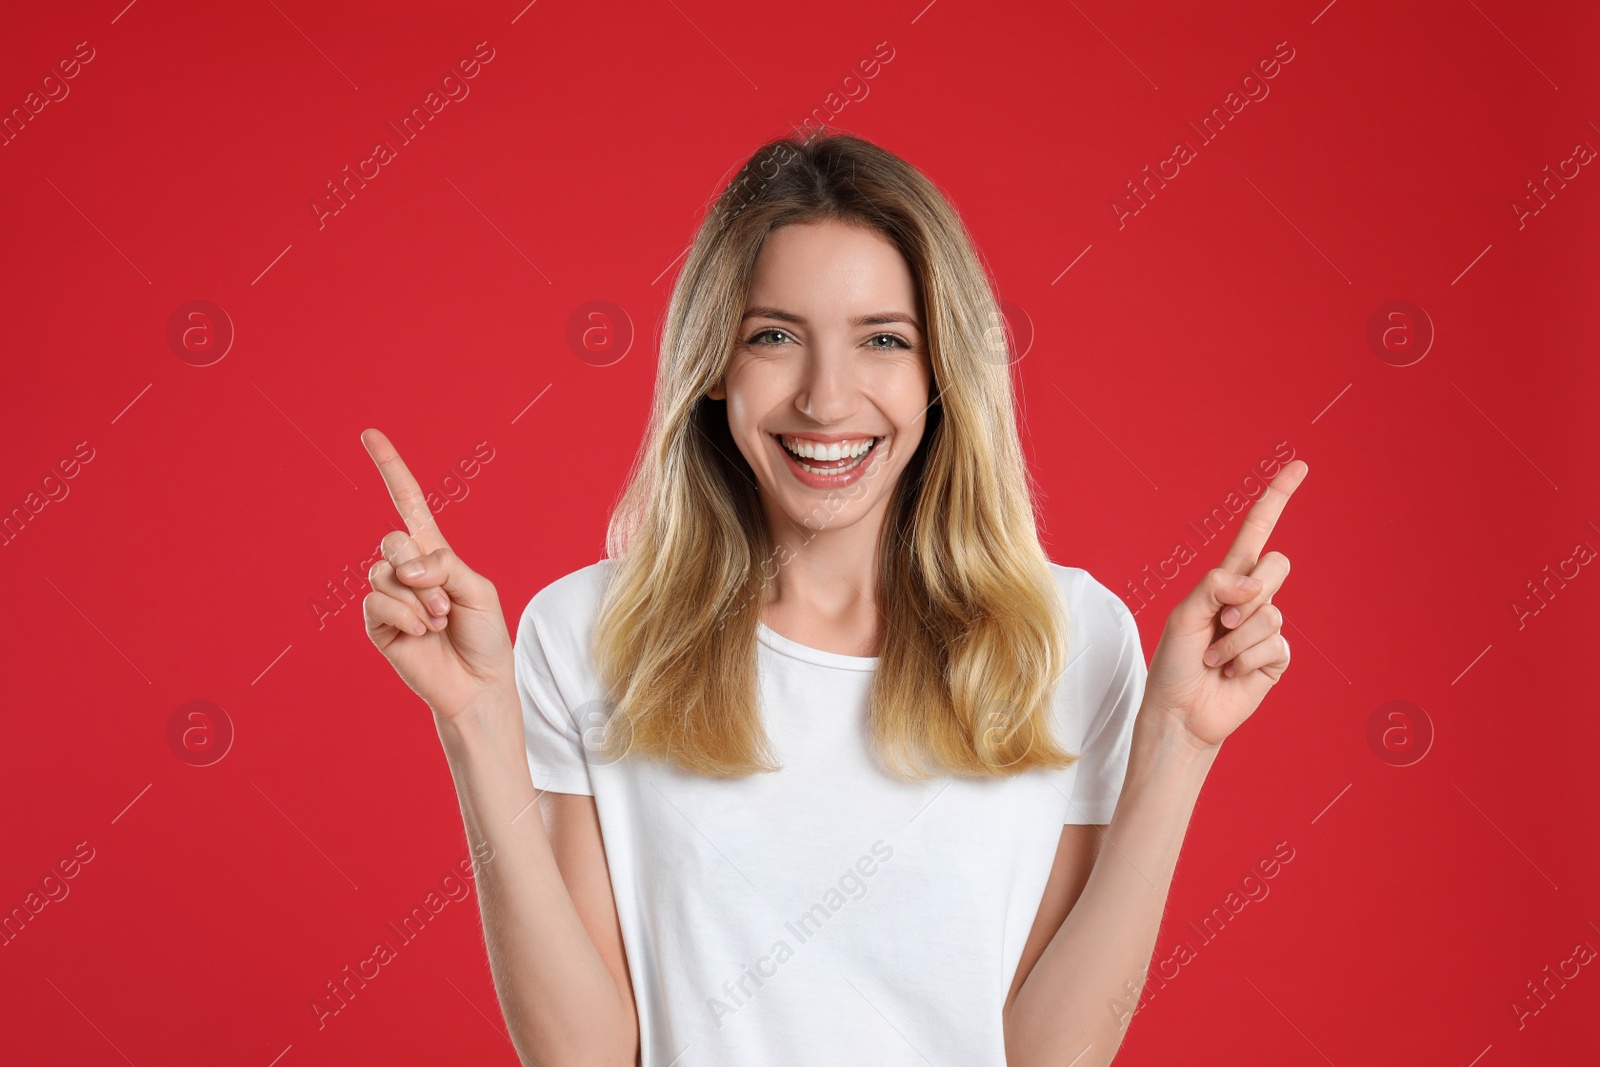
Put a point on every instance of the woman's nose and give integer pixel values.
(828, 389)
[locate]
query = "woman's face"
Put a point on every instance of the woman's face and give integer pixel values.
(829, 359)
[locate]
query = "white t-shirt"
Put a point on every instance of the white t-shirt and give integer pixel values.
(828, 912)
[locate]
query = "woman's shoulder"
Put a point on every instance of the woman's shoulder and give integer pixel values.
(1088, 600)
(569, 604)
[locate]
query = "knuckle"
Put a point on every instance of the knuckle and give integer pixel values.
(393, 542)
(377, 571)
(1274, 613)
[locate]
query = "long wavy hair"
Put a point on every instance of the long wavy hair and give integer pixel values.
(975, 630)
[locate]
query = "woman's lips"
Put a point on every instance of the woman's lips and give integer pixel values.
(848, 470)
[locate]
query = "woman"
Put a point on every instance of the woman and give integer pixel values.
(826, 748)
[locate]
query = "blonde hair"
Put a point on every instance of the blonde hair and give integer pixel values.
(975, 629)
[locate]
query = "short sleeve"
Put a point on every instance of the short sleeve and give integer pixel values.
(1108, 739)
(555, 744)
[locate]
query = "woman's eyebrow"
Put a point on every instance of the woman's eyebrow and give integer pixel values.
(882, 318)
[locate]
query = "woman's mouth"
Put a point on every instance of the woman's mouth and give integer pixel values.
(823, 465)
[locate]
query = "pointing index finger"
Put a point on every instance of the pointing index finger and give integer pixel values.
(1245, 552)
(404, 491)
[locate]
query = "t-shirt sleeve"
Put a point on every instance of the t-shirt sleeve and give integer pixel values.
(1109, 736)
(554, 742)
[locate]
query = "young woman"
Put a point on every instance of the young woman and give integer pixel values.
(833, 764)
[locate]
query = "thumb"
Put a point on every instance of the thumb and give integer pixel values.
(443, 569)
(1197, 613)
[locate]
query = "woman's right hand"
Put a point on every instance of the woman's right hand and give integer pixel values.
(438, 621)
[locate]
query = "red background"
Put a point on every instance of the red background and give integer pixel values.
(1230, 314)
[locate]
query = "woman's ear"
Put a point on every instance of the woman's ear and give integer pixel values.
(716, 392)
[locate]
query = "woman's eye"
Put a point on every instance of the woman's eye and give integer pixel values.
(895, 339)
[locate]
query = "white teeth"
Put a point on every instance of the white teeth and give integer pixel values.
(837, 450)
(835, 470)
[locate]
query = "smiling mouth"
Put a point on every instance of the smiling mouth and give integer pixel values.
(847, 460)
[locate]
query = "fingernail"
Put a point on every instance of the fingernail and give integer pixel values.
(1249, 583)
(1212, 655)
(415, 569)
(1231, 617)
(437, 604)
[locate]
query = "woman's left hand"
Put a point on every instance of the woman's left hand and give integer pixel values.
(1237, 625)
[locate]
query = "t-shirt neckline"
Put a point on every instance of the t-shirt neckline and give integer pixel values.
(795, 650)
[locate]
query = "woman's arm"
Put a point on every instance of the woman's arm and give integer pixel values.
(1067, 1008)
(545, 898)
(1222, 650)
(565, 1002)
